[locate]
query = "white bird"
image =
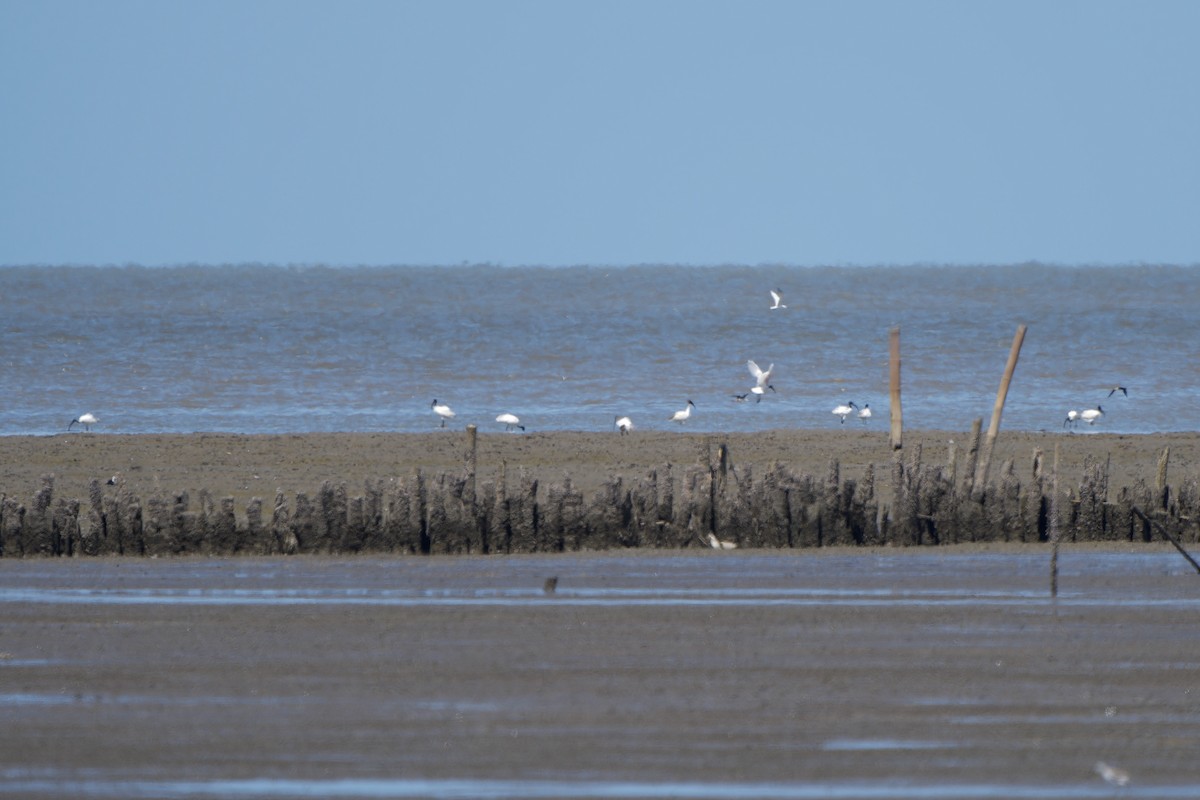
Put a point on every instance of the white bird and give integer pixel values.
(758, 393)
(865, 414)
(717, 544)
(845, 411)
(623, 424)
(510, 421)
(442, 411)
(1072, 418)
(681, 416)
(777, 297)
(1090, 415)
(86, 420)
(762, 380)
(1114, 775)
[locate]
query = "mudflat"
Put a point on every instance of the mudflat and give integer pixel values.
(905, 672)
(246, 466)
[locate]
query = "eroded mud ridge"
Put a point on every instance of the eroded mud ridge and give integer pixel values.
(903, 499)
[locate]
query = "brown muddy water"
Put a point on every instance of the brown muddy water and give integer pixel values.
(743, 674)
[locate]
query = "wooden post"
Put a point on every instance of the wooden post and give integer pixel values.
(972, 456)
(1054, 529)
(981, 469)
(472, 465)
(894, 361)
(1161, 493)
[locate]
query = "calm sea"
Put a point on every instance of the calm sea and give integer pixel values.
(259, 349)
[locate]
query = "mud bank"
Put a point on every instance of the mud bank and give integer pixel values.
(453, 493)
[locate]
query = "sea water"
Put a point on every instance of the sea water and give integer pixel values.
(273, 349)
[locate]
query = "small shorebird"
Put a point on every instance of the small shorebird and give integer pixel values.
(777, 298)
(1072, 418)
(442, 411)
(510, 421)
(1114, 775)
(865, 414)
(681, 416)
(86, 420)
(1091, 415)
(717, 544)
(845, 411)
(740, 398)
(1120, 389)
(623, 424)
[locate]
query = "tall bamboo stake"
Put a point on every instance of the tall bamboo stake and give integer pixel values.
(981, 469)
(472, 464)
(1055, 534)
(894, 361)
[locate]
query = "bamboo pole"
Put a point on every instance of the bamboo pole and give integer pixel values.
(472, 464)
(981, 469)
(1055, 534)
(894, 362)
(1161, 492)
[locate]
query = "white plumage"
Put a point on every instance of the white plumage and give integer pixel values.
(1090, 415)
(510, 421)
(777, 299)
(762, 379)
(717, 544)
(681, 416)
(1113, 775)
(442, 411)
(86, 420)
(845, 410)
(623, 424)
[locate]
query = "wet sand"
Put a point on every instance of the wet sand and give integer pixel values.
(646, 674)
(245, 466)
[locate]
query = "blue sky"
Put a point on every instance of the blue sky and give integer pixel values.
(561, 133)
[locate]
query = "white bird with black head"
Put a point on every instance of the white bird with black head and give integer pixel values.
(510, 421)
(86, 420)
(762, 379)
(846, 410)
(682, 415)
(442, 410)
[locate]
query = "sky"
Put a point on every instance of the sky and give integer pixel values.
(564, 132)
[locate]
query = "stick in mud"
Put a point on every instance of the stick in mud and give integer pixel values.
(894, 362)
(981, 472)
(1167, 535)
(1054, 529)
